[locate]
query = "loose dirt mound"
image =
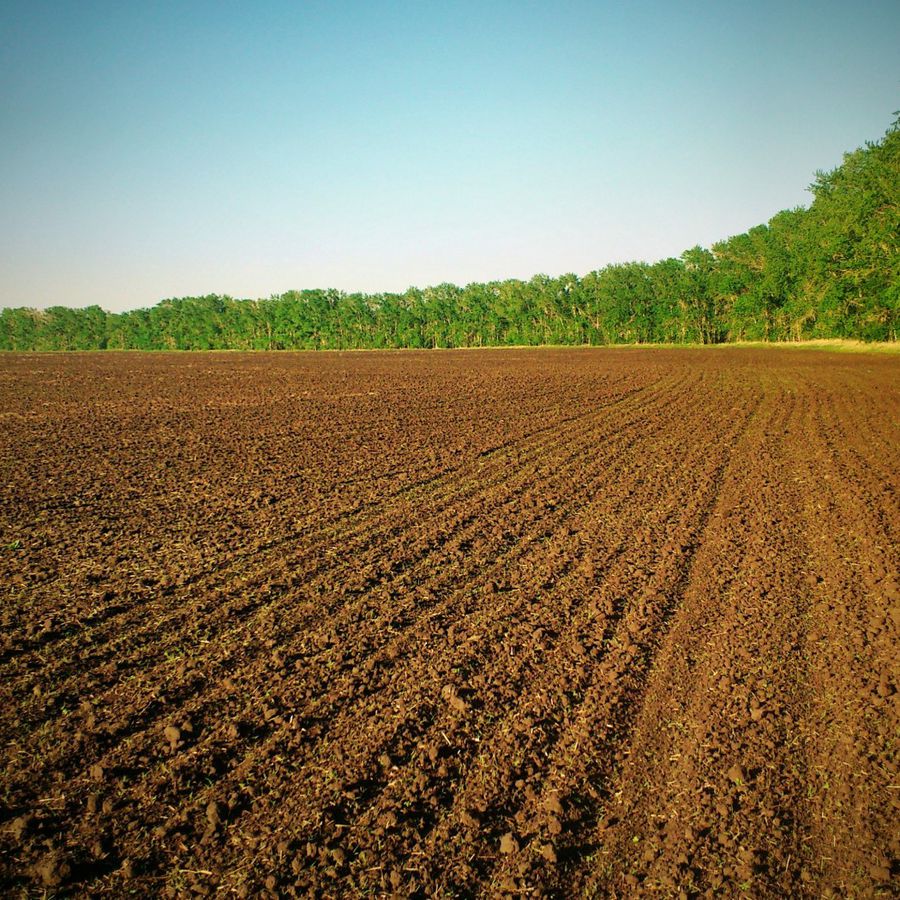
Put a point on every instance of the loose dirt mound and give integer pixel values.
(450, 624)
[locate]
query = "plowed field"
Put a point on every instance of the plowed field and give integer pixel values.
(566, 623)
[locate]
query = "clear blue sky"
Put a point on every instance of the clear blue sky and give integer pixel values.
(157, 149)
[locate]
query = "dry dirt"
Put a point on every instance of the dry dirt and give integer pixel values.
(565, 623)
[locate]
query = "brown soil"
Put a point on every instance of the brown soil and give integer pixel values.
(567, 623)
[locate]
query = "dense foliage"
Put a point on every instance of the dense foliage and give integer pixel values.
(830, 270)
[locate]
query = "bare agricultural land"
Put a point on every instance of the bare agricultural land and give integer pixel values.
(544, 622)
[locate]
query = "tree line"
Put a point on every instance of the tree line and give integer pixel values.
(828, 270)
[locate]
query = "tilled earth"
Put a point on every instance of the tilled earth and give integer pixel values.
(568, 623)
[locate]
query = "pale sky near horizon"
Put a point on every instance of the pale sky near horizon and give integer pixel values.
(155, 150)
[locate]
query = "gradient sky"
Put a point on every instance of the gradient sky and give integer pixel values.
(155, 149)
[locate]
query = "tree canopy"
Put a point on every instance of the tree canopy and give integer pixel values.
(829, 270)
